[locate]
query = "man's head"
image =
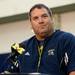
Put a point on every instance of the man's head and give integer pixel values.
(39, 6)
(41, 20)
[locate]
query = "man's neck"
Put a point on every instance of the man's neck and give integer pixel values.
(41, 38)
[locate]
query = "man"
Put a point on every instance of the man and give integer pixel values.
(49, 51)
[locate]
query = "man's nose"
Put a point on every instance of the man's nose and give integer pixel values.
(40, 20)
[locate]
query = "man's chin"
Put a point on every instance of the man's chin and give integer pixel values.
(43, 35)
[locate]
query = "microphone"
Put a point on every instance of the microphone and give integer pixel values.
(13, 58)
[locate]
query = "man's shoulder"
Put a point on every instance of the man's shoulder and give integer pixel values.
(64, 34)
(25, 42)
(65, 38)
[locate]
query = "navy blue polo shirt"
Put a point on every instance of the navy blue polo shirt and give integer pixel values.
(52, 58)
(56, 48)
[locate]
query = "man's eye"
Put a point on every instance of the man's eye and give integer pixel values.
(35, 18)
(44, 16)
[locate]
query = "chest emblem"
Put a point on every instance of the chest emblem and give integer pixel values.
(51, 51)
(27, 53)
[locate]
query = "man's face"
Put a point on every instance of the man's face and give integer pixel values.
(41, 21)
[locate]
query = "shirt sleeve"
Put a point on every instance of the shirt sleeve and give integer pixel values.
(71, 55)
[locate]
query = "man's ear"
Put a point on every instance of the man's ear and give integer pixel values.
(52, 20)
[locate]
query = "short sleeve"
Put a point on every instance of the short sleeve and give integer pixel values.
(71, 54)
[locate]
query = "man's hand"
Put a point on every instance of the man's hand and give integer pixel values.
(6, 72)
(72, 73)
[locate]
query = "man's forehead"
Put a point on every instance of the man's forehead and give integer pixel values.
(39, 11)
(42, 8)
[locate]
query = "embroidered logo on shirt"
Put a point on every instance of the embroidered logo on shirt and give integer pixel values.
(51, 51)
(27, 53)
